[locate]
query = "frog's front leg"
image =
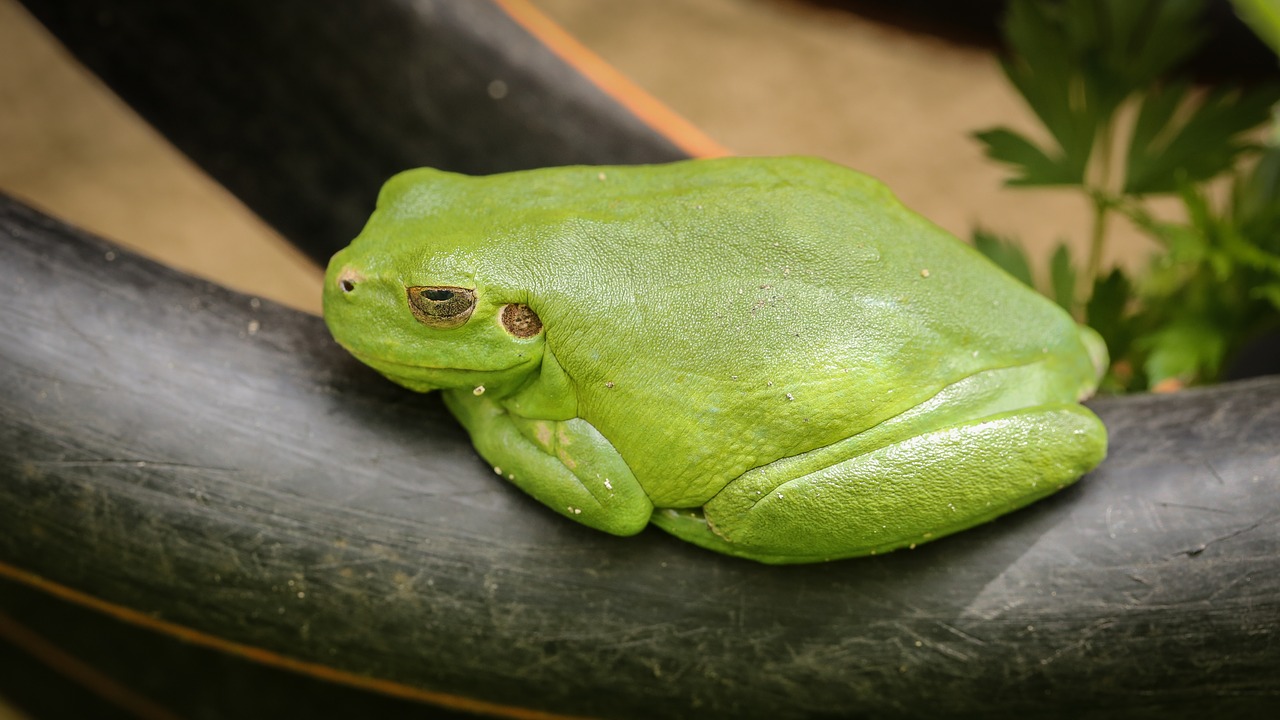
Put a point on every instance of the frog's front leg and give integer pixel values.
(567, 465)
(843, 501)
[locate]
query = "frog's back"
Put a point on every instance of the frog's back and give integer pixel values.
(776, 305)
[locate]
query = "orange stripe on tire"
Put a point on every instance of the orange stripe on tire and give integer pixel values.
(682, 133)
(274, 659)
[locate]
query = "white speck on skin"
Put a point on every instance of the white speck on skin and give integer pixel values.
(254, 325)
(255, 303)
(608, 485)
(608, 384)
(301, 594)
(110, 256)
(769, 383)
(511, 476)
(497, 89)
(790, 396)
(600, 177)
(497, 470)
(779, 496)
(478, 391)
(975, 353)
(924, 272)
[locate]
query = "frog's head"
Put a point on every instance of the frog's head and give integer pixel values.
(416, 298)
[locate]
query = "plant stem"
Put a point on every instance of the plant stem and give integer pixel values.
(1101, 212)
(1102, 205)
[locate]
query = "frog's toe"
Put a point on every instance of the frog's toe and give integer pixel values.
(691, 525)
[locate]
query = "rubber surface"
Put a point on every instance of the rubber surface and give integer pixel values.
(193, 465)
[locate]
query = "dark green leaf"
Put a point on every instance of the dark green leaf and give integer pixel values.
(1142, 41)
(1004, 253)
(1075, 62)
(1033, 164)
(1246, 254)
(1181, 138)
(1062, 277)
(1125, 46)
(1045, 69)
(1256, 202)
(1154, 116)
(1106, 311)
(1188, 351)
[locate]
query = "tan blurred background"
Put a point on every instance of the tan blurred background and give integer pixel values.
(762, 77)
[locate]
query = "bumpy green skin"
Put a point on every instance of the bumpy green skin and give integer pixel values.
(770, 358)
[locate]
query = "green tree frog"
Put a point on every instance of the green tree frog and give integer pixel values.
(768, 357)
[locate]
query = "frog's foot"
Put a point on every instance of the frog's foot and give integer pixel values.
(844, 500)
(565, 464)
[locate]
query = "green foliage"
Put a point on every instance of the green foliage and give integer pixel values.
(1077, 63)
(1217, 284)
(1108, 310)
(1062, 278)
(1009, 256)
(1165, 148)
(1004, 253)
(1264, 17)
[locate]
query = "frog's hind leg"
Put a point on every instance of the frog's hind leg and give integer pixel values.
(905, 493)
(982, 446)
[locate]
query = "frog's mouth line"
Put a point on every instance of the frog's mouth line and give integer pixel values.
(379, 363)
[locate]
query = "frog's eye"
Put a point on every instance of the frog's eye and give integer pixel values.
(441, 307)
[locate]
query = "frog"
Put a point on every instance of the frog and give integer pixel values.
(768, 357)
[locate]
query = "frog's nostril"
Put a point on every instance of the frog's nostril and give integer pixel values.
(347, 279)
